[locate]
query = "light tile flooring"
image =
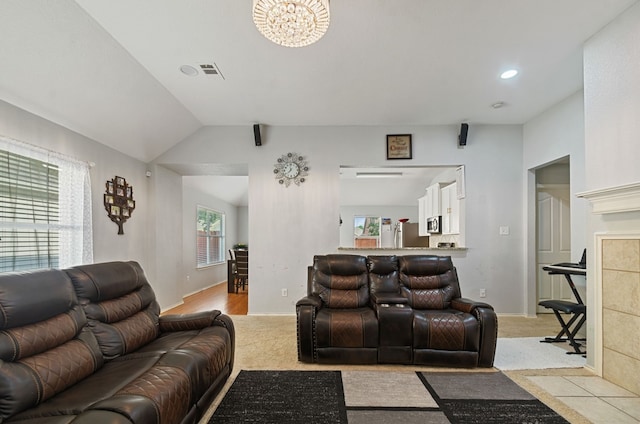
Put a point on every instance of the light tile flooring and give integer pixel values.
(592, 397)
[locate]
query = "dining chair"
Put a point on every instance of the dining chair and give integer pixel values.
(241, 278)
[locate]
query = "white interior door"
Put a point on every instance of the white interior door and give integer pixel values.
(553, 241)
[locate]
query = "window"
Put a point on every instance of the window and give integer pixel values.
(45, 209)
(209, 237)
(366, 231)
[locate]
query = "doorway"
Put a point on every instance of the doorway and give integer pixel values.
(553, 230)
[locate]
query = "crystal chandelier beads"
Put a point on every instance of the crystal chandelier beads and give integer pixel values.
(292, 23)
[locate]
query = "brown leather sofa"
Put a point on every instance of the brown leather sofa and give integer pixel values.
(87, 345)
(392, 309)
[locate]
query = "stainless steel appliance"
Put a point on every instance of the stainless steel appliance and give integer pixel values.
(410, 238)
(434, 225)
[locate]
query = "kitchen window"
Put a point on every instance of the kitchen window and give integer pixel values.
(210, 237)
(366, 231)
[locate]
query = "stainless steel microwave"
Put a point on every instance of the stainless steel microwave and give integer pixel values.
(434, 225)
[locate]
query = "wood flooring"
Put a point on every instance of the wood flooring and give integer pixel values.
(215, 297)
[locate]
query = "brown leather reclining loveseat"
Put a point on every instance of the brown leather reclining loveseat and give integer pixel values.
(87, 345)
(392, 309)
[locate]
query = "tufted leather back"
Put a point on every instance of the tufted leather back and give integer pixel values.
(119, 303)
(341, 281)
(383, 274)
(45, 344)
(428, 281)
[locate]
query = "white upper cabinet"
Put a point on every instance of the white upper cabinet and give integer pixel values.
(428, 207)
(450, 209)
(433, 201)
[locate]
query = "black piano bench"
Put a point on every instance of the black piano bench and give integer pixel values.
(578, 312)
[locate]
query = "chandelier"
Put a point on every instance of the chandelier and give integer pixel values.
(292, 23)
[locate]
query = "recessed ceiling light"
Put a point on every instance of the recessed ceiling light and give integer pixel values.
(509, 74)
(189, 70)
(497, 105)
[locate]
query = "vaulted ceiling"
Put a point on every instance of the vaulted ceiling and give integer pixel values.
(110, 70)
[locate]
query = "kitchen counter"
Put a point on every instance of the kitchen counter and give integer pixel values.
(403, 249)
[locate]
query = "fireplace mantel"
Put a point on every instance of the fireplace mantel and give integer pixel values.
(614, 270)
(624, 198)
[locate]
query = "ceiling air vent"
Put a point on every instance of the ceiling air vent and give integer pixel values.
(211, 70)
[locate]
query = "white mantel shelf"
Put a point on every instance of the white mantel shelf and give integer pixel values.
(624, 198)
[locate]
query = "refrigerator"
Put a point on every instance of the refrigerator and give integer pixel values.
(409, 236)
(386, 233)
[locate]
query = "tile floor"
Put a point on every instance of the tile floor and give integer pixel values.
(593, 397)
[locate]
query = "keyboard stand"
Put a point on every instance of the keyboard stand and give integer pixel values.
(577, 310)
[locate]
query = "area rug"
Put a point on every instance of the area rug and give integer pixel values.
(530, 354)
(377, 397)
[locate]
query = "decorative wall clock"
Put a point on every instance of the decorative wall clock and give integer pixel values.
(291, 168)
(118, 201)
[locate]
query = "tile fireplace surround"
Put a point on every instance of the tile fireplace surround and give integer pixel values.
(620, 311)
(616, 285)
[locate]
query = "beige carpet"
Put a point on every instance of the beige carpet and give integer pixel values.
(269, 343)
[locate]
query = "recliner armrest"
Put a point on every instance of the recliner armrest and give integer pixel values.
(183, 322)
(311, 300)
(467, 305)
(388, 298)
(306, 309)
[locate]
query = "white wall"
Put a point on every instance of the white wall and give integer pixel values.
(556, 133)
(242, 224)
(153, 234)
(287, 226)
(165, 236)
(108, 245)
(612, 109)
(612, 102)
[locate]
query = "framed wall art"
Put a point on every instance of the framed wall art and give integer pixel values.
(399, 146)
(118, 201)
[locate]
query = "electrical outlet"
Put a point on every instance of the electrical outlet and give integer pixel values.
(483, 292)
(504, 231)
(285, 293)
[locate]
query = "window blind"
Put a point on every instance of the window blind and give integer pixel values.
(209, 237)
(29, 212)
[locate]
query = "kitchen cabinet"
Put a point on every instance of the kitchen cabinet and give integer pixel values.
(433, 201)
(422, 216)
(450, 209)
(428, 207)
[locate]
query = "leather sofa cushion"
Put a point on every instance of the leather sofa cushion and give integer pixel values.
(155, 384)
(22, 295)
(429, 282)
(107, 280)
(341, 281)
(445, 330)
(383, 274)
(119, 303)
(43, 349)
(347, 328)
